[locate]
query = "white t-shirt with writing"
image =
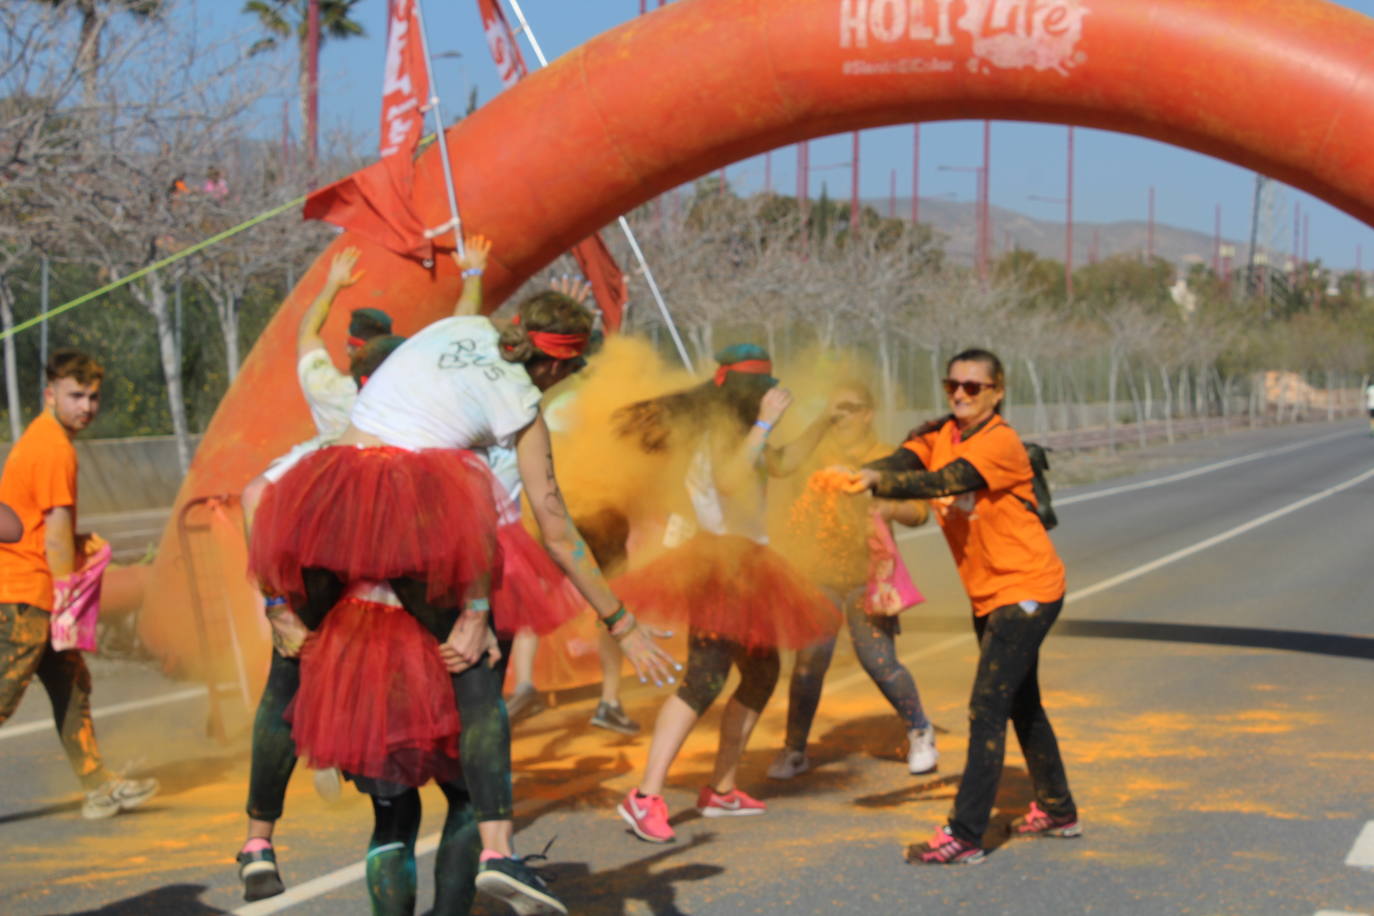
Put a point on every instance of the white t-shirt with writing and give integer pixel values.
(329, 392)
(448, 387)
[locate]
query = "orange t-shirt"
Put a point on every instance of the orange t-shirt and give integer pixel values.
(40, 474)
(1002, 550)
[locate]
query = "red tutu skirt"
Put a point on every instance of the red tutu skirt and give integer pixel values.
(533, 593)
(380, 514)
(375, 699)
(734, 588)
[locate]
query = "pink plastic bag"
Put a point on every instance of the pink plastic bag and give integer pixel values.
(77, 607)
(890, 589)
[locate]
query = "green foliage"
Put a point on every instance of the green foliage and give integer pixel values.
(289, 18)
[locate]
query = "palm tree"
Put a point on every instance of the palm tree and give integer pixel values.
(284, 19)
(94, 14)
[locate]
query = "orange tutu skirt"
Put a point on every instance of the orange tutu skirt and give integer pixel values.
(733, 588)
(379, 514)
(533, 593)
(375, 699)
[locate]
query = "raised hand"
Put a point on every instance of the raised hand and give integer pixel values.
(474, 257)
(341, 272)
(774, 405)
(573, 288)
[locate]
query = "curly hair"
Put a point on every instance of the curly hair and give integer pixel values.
(551, 312)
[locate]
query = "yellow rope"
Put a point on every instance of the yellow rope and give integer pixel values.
(156, 265)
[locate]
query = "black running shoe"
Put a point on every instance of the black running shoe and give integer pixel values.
(258, 872)
(614, 718)
(512, 881)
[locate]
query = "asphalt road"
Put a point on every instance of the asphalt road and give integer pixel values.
(1210, 681)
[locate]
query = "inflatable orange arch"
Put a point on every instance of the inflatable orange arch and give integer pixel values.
(1285, 87)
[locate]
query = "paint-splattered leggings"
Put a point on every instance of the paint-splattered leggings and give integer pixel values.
(708, 665)
(1007, 687)
(274, 753)
(391, 875)
(874, 644)
(24, 652)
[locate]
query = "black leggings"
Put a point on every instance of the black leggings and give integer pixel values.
(708, 665)
(874, 644)
(484, 743)
(1007, 686)
(274, 753)
(391, 877)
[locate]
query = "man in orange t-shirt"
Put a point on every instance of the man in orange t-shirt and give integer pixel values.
(39, 485)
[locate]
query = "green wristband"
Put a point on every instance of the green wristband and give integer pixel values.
(615, 618)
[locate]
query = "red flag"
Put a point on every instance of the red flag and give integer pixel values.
(377, 202)
(510, 65)
(603, 273)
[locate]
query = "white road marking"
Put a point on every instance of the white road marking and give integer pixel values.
(1227, 535)
(931, 529)
(1339, 913)
(28, 728)
(1198, 471)
(1362, 853)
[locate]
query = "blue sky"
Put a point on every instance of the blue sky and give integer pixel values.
(1113, 172)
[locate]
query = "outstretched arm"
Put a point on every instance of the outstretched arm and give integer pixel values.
(472, 262)
(341, 275)
(534, 454)
(959, 476)
(786, 459)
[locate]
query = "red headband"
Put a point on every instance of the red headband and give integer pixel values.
(356, 342)
(748, 367)
(559, 346)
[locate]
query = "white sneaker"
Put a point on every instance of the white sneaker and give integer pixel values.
(921, 755)
(117, 795)
(789, 763)
(329, 784)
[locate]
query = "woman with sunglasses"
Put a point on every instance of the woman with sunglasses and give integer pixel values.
(974, 469)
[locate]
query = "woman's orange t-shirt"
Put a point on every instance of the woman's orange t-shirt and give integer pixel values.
(1000, 547)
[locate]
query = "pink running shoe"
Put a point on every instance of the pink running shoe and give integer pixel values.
(647, 816)
(732, 804)
(944, 849)
(1036, 822)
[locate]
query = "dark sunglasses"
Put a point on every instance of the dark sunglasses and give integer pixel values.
(972, 389)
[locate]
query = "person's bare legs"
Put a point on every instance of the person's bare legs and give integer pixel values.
(522, 658)
(612, 662)
(675, 721)
(736, 725)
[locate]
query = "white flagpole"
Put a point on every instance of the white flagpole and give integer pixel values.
(454, 222)
(624, 223)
